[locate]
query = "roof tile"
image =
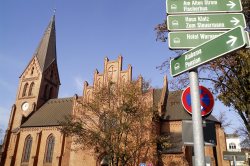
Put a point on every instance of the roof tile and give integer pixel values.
(51, 113)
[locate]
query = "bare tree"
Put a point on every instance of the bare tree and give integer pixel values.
(225, 123)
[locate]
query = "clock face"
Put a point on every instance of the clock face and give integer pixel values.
(25, 106)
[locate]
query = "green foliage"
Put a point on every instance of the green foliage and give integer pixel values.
(230, 76)
(233, 83)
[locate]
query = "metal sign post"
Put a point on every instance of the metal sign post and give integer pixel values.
(196, 118)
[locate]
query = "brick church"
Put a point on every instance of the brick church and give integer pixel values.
(33, 136)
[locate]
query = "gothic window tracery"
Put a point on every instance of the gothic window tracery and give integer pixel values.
(27, 149)
(49, 149)
(25, 89)
(31, 88)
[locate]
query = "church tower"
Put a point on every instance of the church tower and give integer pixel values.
(38, 83)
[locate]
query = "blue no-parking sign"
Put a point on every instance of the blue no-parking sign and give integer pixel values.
(206, 99)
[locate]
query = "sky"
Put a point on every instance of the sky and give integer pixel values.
(87, 31)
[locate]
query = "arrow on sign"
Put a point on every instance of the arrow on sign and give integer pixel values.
(208, 51)
(235, 21)
(212, 21)
(231, 4)
(202, 6)
(232, 40)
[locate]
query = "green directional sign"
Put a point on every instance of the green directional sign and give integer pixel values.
(190, 39)
(202, 6)
(223, 44)
(205, 21)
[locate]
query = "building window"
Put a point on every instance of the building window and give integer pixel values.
(31, 88)
(25, 89)
(232, 146)
(32, 71)
(27, 149)
(49, 149)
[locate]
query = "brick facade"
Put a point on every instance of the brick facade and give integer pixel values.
(32, 121)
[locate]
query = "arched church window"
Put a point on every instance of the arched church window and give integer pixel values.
(49, 149)
(25, 89)
(27, 149)
(45, 91)
(32, 71)
(31, 88)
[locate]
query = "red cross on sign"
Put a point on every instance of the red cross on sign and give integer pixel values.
(206, 99)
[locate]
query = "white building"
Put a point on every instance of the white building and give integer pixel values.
(233, 145)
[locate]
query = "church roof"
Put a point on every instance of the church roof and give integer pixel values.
(51, 113)
(174, 109)
(46, 50)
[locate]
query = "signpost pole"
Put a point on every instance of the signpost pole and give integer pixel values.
(234, 161)
(196, 119)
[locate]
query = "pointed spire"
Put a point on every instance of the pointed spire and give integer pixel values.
(46, 51)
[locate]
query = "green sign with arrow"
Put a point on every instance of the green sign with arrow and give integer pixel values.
(202, 6)
(205, 21)
(190, 39)
(223, 44)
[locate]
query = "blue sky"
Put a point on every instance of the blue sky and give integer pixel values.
(87, 31)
